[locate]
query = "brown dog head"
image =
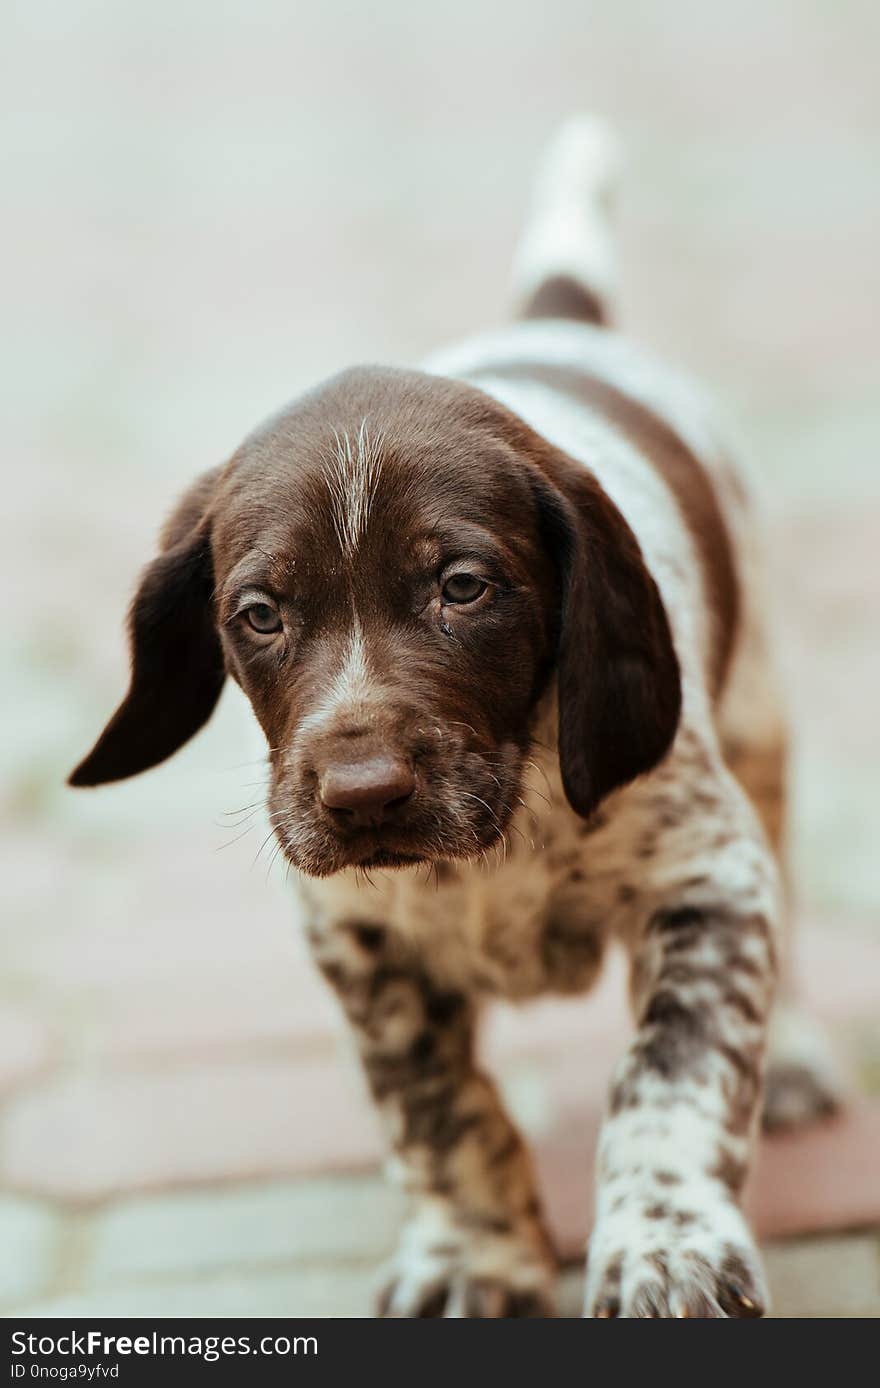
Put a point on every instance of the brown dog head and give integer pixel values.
(392, 569)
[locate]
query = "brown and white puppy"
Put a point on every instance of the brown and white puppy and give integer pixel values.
(502, 618)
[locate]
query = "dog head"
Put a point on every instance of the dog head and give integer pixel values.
(392, 569)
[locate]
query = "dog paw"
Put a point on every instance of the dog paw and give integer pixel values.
(675, 1263)
(802, 1084)
(490, 1276)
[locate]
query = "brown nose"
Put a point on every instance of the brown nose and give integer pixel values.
(367, 792)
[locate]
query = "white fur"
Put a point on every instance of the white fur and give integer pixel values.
(352, 473)
(717, 1227)
(583, 347)
(568, 232)
(351, 688)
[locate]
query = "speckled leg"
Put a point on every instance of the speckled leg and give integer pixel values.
(803, 1082)
(474, 1244)
(670, 1239)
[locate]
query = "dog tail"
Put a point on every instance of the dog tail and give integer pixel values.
(565, 264)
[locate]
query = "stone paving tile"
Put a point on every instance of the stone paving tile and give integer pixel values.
(327, 1290)
(827, 1277)
(187, 1233)
(830, 1277)
(93, 1136)
(92, 1133)
(142, 912)
(29, 1235)
(215, 1013)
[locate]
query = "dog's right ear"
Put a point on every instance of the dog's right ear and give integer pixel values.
(177, 668)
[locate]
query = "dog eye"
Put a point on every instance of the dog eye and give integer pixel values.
(263, 618)
(463, 588)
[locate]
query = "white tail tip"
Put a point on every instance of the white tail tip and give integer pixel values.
(568, 234)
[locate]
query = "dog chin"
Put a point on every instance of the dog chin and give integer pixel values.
(390, 858)
(314, 861)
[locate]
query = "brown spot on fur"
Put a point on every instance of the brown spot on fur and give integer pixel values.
(443, 1007)
(730, 1170)
(659, 1211)
(607, 1303)
(738, 1295)
(369, 935)
(623, 1095)
(487, 1223)
(563, 297)
(678, 919)
(430, 1120)
(678, 1046)
(740, 1002)
(433, 1304)
(526, 1305)
(570, 950)
(658, 1261)
(502, 1155)
(423, 1047)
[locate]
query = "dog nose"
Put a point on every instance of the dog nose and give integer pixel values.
(367, 792)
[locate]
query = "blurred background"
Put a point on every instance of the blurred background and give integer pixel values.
(207, 207)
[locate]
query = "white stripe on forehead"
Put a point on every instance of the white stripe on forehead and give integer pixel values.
(351, 475)
(352, 683)
(350, 688)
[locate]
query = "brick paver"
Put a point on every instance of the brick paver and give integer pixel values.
(313, 1247)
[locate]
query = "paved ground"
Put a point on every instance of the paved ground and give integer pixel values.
(206, 210)
(311, 1247)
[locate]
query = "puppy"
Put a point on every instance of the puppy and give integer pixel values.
(501, 622)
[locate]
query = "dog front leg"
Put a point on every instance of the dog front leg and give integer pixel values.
(474, 1243)
(670, 1238)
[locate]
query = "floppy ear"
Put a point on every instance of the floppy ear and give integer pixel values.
(177, 667)
(617, 671)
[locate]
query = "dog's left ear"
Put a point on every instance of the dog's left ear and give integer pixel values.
(618, 674)
(177, 668)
